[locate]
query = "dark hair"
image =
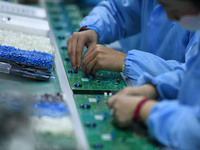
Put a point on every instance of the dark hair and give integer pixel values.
(197, 3)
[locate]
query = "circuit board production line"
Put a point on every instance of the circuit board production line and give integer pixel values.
(62, 75)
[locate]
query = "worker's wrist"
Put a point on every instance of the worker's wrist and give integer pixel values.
(146, 109)
(123, 62)
(96, 31)
(150, 91)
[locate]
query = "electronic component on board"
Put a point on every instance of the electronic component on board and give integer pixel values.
(90, 124)
(73, 71)
(77, 84)
(61, 37)
(67, 59)
(97, 145)
(64, 47)
(85, 106)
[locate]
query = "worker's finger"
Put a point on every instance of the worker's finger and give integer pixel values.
(111, 101)
(90, 48)
(87, 60)
(91, 66)
(73, 50)
(79, 51)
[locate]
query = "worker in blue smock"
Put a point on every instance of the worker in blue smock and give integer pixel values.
(163, 46)
(167, 84)
(176, 122)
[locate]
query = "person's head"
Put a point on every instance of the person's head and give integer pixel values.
(186, 12)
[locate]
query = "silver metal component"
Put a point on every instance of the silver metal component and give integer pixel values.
(5, 67)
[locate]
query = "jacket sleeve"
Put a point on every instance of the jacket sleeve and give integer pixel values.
(167, 84)
(175, 124)
(114, 19)
(138, 62)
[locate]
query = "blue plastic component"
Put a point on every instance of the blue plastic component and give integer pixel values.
(98, 101)
(98, 98)
(85, 106)
(105, 115)
(53, 110)
(72, 71)
(97, 145)
(32, 58)
(91, 124)
(77, 84)
(90, 78)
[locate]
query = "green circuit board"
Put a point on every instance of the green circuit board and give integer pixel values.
(105, 133)
(65, 20)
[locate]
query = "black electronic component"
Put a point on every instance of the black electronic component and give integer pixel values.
(98, 81)
(118, 81)
(97, 145)
(60, 37)
(85, 106)
(67, 59)
(75, 71)
(90, 124)
(64, 47)
(77, 84)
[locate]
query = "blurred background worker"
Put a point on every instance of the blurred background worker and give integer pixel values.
(176, 122)
(163, 47)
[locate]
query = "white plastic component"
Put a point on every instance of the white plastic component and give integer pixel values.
(25, 41)
(24, 24)
(22, 10)
(110, 94)
(98, 117)
(106, 137)
(105, 94)
(92, 100)
(85, 79)
(56, 126)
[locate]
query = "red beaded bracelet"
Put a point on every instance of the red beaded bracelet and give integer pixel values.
(136, 114)
(83, 28)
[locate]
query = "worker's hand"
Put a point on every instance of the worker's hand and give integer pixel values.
(123, 107)
(146, 90)
(76, 43)
(102, 58)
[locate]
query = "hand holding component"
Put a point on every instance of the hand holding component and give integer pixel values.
(76, 43)
(146, 90)
(102, 58)
(124, 105)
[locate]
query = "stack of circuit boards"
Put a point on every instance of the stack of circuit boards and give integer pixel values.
(91, 93)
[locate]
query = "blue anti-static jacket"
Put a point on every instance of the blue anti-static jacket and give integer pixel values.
(176, 122)
(168, 84)
(115, 19)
